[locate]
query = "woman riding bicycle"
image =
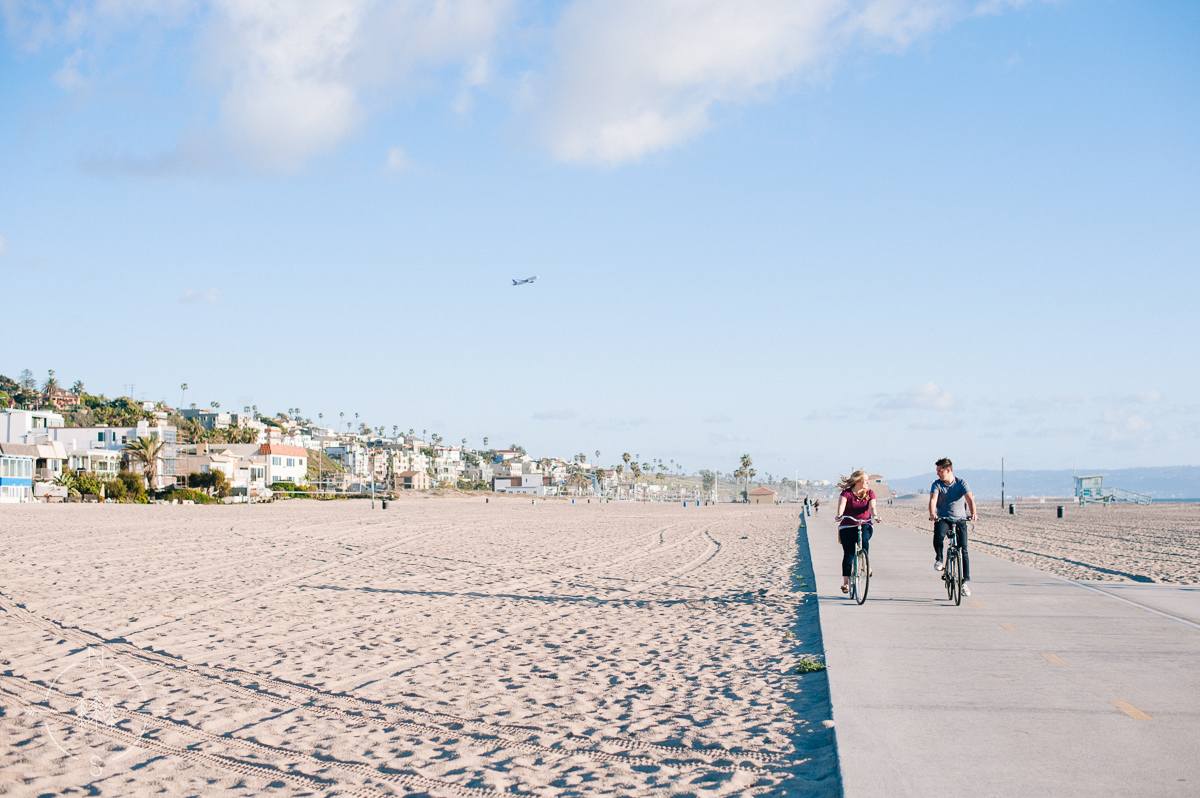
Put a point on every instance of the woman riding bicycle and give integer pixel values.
(856, 506)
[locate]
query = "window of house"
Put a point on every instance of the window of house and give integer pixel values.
(291, 462)
(274, 461)
(100, 437)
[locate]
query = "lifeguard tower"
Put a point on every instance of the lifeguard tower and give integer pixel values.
(1091, 488)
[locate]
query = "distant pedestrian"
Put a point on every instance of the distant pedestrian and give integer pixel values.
(816, 506)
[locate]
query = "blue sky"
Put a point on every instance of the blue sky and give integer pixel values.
(830, 234)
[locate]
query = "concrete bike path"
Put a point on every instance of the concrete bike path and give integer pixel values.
(1034, 686)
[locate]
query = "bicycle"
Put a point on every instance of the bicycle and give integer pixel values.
(952, 572)
(860, 566)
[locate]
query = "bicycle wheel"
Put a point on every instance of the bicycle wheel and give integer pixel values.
(862, 577)
(948, 574)
(958, 576)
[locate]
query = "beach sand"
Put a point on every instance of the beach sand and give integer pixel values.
(1159, 542)
(440, 647)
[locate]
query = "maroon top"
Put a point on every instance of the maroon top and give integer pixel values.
(857, 508)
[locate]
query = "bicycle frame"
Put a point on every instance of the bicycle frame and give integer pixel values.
(860, 566)
(952, 571)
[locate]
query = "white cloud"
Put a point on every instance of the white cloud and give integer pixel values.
(289, 76)
(637, 76)
(1125, 421)
(68, 78)
(1147, 397)
(928, 397)
(295, 72)
(397, 160)
(629, 77)
(210, 296)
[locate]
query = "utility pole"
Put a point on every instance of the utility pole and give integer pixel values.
(1001, 483)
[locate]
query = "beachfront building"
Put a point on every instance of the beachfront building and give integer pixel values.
(447, 464)
(16, 472)
(879, 487)
(529, 484)
(24, 426)
(104, 463)
(83, 441)
(352, 456)
(209, 419)
(285, 463)
(412, 480)
(761, 496)
(479, 471)
(208, 460)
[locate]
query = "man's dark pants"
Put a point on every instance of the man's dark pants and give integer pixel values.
(941, 529)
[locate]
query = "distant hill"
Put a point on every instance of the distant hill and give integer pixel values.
(1170, 482)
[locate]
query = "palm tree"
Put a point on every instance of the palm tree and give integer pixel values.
(215, 405)
(145, 452)
(597, 457)
(625, 457)
(68, 480)
(51, 384)
(77, 388)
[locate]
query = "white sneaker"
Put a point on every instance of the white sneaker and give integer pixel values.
(937, 565)
(966, 589)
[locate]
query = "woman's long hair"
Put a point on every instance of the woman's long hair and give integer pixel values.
(848, 483)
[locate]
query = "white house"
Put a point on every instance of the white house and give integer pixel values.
(530, 484)
(82, 442)
(285, 463)
(24, 426)
(447, 464)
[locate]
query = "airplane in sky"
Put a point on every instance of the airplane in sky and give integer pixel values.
(526, 280)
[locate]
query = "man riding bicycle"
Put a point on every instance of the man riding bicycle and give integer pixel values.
(951, 505)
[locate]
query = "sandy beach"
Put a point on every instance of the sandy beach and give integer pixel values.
(1122, 542)
(441, 647)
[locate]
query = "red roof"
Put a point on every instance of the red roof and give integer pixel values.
(762, 492)
(290, 451)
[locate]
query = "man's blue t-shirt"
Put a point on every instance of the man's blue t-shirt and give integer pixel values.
(952, 498)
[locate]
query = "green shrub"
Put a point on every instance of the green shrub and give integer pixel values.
(290, 490)
(87, 483)
(810, 666)
(474, 484)
(185, 494)
(135, 488)
(215, 482)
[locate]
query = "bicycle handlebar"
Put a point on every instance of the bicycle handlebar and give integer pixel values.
(857, 520)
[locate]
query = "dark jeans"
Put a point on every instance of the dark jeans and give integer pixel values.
(941, 529)
(848, 536)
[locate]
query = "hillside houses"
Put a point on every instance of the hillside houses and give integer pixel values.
(58, 435)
